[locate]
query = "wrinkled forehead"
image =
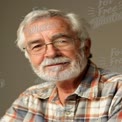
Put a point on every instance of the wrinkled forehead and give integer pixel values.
(47, 24)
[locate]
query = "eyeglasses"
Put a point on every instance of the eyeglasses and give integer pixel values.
(60, 44)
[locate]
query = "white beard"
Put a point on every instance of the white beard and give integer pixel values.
(57, 73)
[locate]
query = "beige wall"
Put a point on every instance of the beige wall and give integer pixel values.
(15, 72)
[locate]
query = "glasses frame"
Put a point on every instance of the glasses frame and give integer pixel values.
(46, 44)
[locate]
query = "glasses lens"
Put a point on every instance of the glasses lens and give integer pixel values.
(37, 50)
(64, 44)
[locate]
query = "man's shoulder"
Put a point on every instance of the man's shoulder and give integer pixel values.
(105, 75)
(33, 94)
(39, 88)
(110, 76)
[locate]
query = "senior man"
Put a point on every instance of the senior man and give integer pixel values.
(57, 46)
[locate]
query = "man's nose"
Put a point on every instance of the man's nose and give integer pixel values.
(51, 51)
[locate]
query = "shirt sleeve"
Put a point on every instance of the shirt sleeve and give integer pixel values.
(115, 111)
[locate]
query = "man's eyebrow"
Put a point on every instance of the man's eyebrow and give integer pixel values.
(60, 35)
(33, 42)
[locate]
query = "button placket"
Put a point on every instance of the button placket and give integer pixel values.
(69, 109)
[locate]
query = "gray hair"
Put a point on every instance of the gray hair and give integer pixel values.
(77, 24)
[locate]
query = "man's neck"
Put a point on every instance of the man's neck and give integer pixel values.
(66, 88)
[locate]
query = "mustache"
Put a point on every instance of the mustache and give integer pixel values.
(57, 60)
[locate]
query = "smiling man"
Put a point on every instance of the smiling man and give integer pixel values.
(57, 46)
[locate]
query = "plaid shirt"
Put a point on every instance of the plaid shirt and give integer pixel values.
(97, 99)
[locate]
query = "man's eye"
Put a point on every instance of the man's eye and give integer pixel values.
(63, 41)
(36, 47)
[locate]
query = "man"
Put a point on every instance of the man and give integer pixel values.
(57, 45)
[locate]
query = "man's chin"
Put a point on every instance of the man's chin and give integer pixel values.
(54, 76)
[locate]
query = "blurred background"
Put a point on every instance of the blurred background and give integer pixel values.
(16, 75)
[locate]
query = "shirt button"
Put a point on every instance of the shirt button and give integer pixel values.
(67, 113)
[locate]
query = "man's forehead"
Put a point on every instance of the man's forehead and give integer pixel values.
(45, 25)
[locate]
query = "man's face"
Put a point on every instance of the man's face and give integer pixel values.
(55, 64)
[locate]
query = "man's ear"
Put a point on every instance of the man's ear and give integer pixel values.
(87, 47)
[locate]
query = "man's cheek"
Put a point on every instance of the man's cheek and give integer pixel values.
(35, 62)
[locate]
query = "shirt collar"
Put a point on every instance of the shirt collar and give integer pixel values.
(88, 87)
(44, 90)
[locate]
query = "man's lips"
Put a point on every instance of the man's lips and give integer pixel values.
(57, 64)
